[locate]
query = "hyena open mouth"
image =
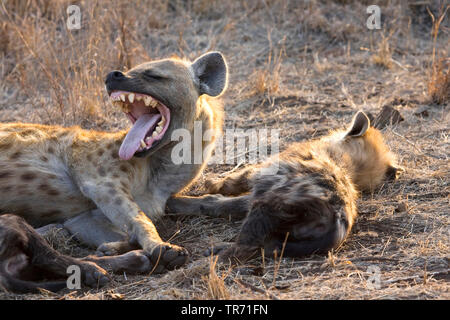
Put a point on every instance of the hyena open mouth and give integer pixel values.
(150, 119)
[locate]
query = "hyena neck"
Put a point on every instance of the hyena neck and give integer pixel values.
(181, 176)
(344, 158)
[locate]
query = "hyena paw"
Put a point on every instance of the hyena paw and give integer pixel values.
(217, 249)
(166, 257)
(136, 262)
(92, 275)
(238, 254)
(113, 248)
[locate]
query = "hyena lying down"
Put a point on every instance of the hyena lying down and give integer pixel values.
(308, 201)
(107, 188)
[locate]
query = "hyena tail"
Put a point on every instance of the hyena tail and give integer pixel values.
(321, 242)
(21, 286)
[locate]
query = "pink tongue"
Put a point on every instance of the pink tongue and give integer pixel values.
(137, 133)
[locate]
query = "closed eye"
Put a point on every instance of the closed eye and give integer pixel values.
(153, 76)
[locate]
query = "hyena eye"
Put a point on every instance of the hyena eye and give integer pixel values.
(152, 76)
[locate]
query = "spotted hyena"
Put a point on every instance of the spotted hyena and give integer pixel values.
(108, 188)
(308, 205)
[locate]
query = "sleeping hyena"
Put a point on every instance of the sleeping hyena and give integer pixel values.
(309, 203)
(107, 188)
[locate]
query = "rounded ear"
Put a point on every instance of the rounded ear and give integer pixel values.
(392, 172)
(360, 124)
(210, 73)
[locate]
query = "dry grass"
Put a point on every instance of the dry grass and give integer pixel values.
(302, 67)
(383, 56)
(439, 80)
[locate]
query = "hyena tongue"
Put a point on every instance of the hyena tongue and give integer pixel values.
(132, 141)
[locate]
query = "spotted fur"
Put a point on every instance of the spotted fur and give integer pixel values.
(74, 176)
(308, 200)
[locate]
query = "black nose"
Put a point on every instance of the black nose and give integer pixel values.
(114, 76)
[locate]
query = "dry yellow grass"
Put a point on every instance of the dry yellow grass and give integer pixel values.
(439, 79)
(301, 67)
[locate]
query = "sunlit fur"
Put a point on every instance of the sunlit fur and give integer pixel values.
(309, 193)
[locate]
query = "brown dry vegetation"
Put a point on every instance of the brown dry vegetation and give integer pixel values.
(302, 67)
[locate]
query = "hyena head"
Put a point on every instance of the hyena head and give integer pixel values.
(363, 147)
(161, 96)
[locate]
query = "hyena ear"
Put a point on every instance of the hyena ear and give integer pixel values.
(210, 73)
(393, 172)
(360, 124)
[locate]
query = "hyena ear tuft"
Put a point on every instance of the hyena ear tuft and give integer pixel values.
(360, 124)
(210, 73)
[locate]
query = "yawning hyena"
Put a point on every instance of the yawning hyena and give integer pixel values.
(106, 188)
(309, 203)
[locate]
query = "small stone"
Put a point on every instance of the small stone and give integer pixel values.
(401, 207)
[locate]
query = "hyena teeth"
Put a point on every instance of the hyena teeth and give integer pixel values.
(154, 134)
(131, 97)
(122, 97)
(143, 144)
(138, 98)
(147, 101)
(158, 129)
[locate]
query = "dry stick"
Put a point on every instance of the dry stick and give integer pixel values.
(416, 277)
(252, 287)
(414, 146)
(277, 267)
(372, 258)
(157, 261)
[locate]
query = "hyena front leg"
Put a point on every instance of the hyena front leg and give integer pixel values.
(210, 205)
(234, 184)
(254, 233)
(125, 214)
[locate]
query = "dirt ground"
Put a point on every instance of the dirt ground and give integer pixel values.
(303, 67)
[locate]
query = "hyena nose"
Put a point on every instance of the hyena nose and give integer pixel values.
(114, 76)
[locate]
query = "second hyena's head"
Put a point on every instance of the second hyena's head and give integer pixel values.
(161, 96)
(364, 148)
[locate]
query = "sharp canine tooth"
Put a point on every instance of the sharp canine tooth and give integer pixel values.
(143, 145)
(131, 97)
(122, 97)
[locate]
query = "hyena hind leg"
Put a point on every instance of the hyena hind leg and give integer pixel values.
(234, 184)
(214, 205)
(26, 255)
